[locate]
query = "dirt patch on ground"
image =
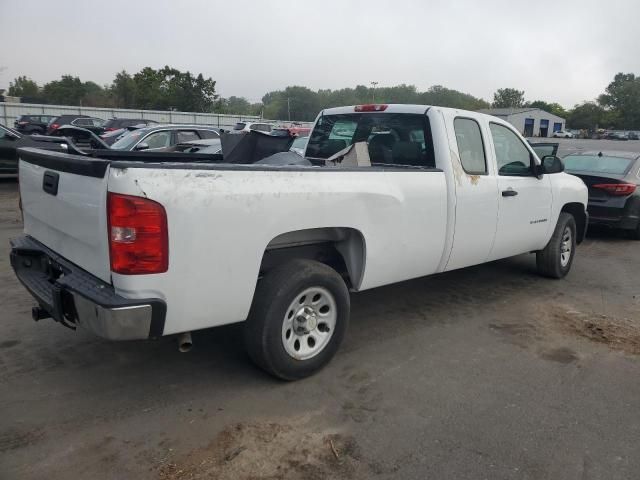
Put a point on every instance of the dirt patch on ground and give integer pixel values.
(618, 333)
(269, 451)
(553, 323)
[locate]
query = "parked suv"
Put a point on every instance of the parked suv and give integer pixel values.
(158, 137)
(119, 123)
(96, 125)
(32, 124)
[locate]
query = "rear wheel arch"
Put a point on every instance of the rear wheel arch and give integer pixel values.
(577, 210)
(341, 248)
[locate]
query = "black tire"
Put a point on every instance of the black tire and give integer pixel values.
(275, 292)
(550, 261)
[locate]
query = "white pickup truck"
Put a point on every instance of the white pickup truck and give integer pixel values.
(141, 247)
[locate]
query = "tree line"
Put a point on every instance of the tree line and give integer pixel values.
(168, 88)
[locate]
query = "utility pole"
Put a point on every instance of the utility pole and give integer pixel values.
(289, 108)
(373, 91)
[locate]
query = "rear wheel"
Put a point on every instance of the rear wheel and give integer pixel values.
(298, 319)
(555, 259)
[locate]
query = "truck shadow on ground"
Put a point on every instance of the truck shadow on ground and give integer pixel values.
(218, 355)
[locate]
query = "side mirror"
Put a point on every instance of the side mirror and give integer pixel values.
(552, 164)
(142, 146)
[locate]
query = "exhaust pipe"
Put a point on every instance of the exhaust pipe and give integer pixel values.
(184, 342)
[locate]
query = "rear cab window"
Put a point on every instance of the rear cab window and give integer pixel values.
(402, 139)
(470, 146)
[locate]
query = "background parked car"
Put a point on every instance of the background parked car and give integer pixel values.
(11, 140)
(248, 126)
(119, 123)
(612, 179)
(96, 125)
(562, 134)
(633, 136)
(80, 137)
(163, 136)
(32, 124)
(616, 136)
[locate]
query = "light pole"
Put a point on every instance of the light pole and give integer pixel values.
(373, 91)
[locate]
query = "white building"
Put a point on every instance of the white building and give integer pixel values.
(530, 122)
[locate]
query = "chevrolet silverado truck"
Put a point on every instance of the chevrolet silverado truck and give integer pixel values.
(133, 246)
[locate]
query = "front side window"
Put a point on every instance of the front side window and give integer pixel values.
(392, 138)
(470, 146)
(158, 140)
(128, 140)
(512, 156)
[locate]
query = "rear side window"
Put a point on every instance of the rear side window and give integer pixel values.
(239, 126)
(470, 146)
(208, 134)
(512, 156)
(184, 136)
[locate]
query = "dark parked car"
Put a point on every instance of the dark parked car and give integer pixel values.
(120, 123)
(616, 136)
(612, 179)
(96, 125)
(633, 136)
(11, 140)
(32, 124)
(163, 136)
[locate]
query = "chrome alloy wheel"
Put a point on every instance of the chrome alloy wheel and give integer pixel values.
(565, 247)
(309, 323)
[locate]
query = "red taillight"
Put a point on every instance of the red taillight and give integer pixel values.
(54, 126)
(110, 129)
(618, 189)
(370, 108)
(138, 236)
(23, 123)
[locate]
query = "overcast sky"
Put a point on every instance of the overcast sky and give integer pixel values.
(564, 51)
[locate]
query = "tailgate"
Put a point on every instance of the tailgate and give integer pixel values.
(64, 206)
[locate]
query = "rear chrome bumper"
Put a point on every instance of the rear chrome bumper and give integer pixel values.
(74, 297)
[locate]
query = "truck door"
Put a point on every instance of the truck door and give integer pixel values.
(476, 192)
(524, 201)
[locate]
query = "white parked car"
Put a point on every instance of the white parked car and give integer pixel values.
(562, 134)
(139, 247)
(248, 126)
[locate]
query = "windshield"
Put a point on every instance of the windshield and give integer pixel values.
(597, 164)
(397, 138)
(128, 140)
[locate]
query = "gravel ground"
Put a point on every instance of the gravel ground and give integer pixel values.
(488, 372)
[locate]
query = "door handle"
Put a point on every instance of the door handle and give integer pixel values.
(510, 192)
